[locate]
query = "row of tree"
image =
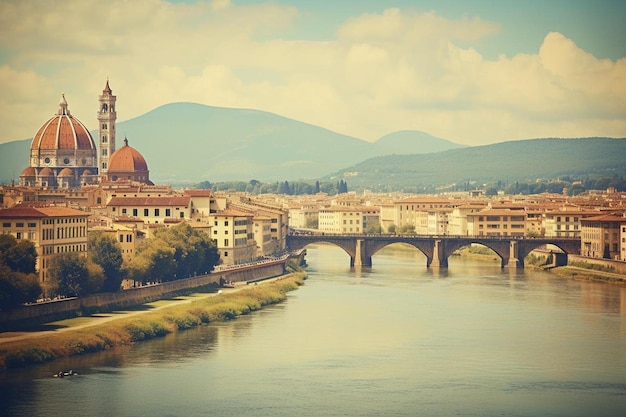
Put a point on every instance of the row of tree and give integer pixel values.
(173, 253)
(289, 188)
(19, 282)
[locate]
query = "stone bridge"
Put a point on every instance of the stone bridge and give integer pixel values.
(361, 248)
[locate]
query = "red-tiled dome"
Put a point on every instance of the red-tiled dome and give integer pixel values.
(87, 172)
(63, 131)
(28, 172)
(66, 172)
(127, 159)
(46, 172)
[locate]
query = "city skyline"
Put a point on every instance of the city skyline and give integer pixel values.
(474, 73)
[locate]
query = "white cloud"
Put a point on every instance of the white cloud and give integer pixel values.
(384, 72)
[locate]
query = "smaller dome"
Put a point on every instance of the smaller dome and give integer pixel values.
(66, 172)
(46, 172)
(87, 173)
(127, 159)
(28, 172)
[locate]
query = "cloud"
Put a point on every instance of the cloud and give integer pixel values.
(395, 70)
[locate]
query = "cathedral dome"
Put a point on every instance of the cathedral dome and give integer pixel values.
(63, 132)
(127, 159)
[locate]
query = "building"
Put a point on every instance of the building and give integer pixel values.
(62, 153)
(233, 232)
(151, 210)
(415, 211)
(341, 219)
(127, 164)
(601, 236)
(496, 222)
(52, 230)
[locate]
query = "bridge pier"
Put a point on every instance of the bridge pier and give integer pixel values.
(514, 261)
(439, 259)
(360, 257)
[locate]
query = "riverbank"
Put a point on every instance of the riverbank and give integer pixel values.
(569, 271)
(130, 328)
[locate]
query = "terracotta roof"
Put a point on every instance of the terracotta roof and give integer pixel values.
(20, 211)
(127, 159)
(605, 218)
(63, 131)
(199, 193)
(150, 201)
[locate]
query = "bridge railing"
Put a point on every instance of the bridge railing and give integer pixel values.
(428, 236)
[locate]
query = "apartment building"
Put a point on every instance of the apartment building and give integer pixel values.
(52, 230)
(233, 232)
(340, 219)
(496, 222)
(415, 212)
(457, 218)
(152, 210)
(601, 236)
(564, 223)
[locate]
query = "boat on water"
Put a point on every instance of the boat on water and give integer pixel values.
(63, 374)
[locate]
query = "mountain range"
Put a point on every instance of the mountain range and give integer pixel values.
(187, 143)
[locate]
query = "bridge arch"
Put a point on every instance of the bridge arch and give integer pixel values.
(500, 248)
(424, 249)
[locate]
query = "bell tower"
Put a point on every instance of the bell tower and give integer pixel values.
(106, 128)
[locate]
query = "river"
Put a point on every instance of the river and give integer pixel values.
(396, 339)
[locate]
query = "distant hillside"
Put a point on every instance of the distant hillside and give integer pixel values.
(406, 142)
(521, 160)
(189, 143)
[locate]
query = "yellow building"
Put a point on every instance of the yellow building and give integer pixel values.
(601, 236)
(233, 232)
(52, 229)
(496, 222)
(340, 219)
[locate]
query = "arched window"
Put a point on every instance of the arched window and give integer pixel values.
(105, 107)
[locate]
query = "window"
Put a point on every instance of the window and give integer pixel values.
(32, 225)
(104, 127)
(104, 139)
(225, 222)
(19, 224)
(134, 212)
(156, 212)
(145, 212)
(225, 242)
(168, 212)
(123, 211)
(6, 224)
(129, 238)
(121, 238)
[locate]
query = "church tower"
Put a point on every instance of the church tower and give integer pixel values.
(106, 130)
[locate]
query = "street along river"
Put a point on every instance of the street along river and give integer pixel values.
(396, 339)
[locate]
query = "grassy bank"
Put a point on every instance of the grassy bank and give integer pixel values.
(589, 274)
(146, 326)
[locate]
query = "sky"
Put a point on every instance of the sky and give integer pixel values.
(474, 72)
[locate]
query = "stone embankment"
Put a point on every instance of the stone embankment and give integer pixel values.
(67, 308)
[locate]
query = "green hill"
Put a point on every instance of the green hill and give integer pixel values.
(522, 160)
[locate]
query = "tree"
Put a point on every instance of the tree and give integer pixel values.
(75, 275)
(19, 282)
(174, 253)
(105, 251)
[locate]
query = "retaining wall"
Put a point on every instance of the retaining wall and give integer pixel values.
(619, 266)
(57, 310)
